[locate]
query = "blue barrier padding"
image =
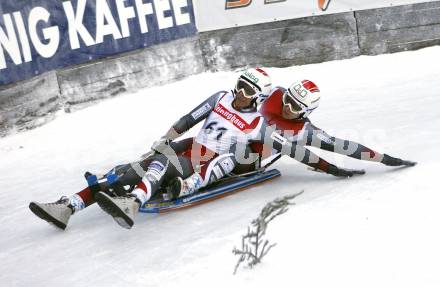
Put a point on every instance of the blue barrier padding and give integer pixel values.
(179, 23)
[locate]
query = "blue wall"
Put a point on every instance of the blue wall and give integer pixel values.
(177, 27)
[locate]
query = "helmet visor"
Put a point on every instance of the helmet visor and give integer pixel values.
(289, 100)
(249, 90)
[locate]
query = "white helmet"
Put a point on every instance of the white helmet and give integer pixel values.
(255, 84)
(302, 97)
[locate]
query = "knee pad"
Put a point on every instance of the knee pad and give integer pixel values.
(218, 168)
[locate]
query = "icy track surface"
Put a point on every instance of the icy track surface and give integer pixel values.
(381, 229)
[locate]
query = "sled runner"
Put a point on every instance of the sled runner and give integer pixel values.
(218, 190)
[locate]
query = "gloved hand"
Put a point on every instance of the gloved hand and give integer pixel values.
(160, 145)
(393, 161)
(341, 172)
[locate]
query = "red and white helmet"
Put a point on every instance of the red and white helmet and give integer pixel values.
(255, 84)
(302, 97)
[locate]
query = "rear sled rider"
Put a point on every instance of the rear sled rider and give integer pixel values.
(232, 123)
(289, 110)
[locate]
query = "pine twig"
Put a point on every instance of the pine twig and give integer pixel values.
(252, 247)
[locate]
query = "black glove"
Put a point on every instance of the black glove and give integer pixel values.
(393, 161)
(341, 172)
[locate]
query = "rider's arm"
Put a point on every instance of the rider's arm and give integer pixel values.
(269, 136)
(189, 120)
(320, 139)
(186, 122)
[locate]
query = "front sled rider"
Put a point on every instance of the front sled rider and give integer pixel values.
(231, 117)
(171, 159)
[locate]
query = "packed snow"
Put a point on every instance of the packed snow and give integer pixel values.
(380, 229)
